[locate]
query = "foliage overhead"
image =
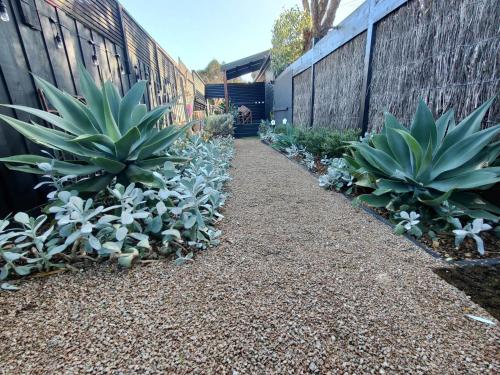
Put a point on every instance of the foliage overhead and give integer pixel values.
(213, 73)
(289, 36)
(109, 136)
(322, 14)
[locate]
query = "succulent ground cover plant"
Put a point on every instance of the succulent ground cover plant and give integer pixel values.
(109, 136)
(125, 223)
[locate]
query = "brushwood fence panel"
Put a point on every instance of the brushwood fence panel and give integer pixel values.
(99, 34)
(302, 98)
(338, 79)
(389, 53)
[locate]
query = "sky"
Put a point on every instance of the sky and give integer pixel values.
(198, 31)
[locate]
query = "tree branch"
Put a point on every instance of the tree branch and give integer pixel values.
(327, 22)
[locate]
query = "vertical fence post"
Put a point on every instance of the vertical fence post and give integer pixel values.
(226, 92)
(125, 41)
(311, 115)
(367, 71)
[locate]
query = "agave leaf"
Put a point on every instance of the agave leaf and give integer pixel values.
(485, 157)
(471, 124)
(395, 186)
(162, 140)
(472, 200)
(443, 123)
(111, 128)
(92, 95)
(435, 201)
(114, 99)
(468, 180)
(463, 151)
(416, 151)
(67, 106)
(138, 114)
(102, 139)
(399, 148)
(137, 174)
(109, 165)
(60, 167)
(93, 184)
(378, 159)
(47, 137)
(49, 117)
(424, 171)
(154, 162)
(423, 128)
(148, 121)
(124, 145)
(374, 200)
(129, 104)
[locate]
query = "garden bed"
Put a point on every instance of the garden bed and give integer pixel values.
(446, 250)
(481, 283)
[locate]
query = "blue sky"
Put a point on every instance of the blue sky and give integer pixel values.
(200, 30)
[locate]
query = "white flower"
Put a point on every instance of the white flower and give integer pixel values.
(273, 122)
(284, 121)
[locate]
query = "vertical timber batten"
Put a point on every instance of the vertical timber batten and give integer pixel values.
(367, 70)
(226, 93)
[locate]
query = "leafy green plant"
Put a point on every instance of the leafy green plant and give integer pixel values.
(325, 142)
(286, 139)
(337, 176)
(219, 125)
(408, 222)
(429, 163)
(471, 230)
(109, 136)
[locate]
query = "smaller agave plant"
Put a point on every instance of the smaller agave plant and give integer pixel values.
(471, 230)
(109, 136)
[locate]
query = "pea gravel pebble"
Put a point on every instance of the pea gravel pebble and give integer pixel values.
(301, 283)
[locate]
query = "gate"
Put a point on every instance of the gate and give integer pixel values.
(250, 95)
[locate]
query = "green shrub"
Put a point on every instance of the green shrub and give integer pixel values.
(325, 142)
(430, 163)
(219, 125)
(110, 136)
(287, 138)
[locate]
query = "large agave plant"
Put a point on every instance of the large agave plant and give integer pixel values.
(431, 162)
(109, 136)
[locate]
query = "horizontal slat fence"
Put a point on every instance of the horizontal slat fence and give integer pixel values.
(389, 53)
(97, 33)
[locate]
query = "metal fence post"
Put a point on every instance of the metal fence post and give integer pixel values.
(367, 71)
(311, 116)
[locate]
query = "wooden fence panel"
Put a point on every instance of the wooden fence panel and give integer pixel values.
(96, 33)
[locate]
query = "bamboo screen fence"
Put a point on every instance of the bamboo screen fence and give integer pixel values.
(390, 53)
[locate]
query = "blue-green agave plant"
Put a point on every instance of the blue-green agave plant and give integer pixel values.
(431, 162)
(109, 136)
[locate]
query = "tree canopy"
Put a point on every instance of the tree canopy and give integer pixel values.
(289, 36)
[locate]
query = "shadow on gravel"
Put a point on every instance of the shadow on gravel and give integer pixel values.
(480, 283)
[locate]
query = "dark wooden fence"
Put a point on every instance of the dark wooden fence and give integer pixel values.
(389, 53)
(49, 38)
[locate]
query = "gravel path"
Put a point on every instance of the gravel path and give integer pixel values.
(302, 283)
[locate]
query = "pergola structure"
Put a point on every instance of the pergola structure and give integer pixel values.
(240, 67)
